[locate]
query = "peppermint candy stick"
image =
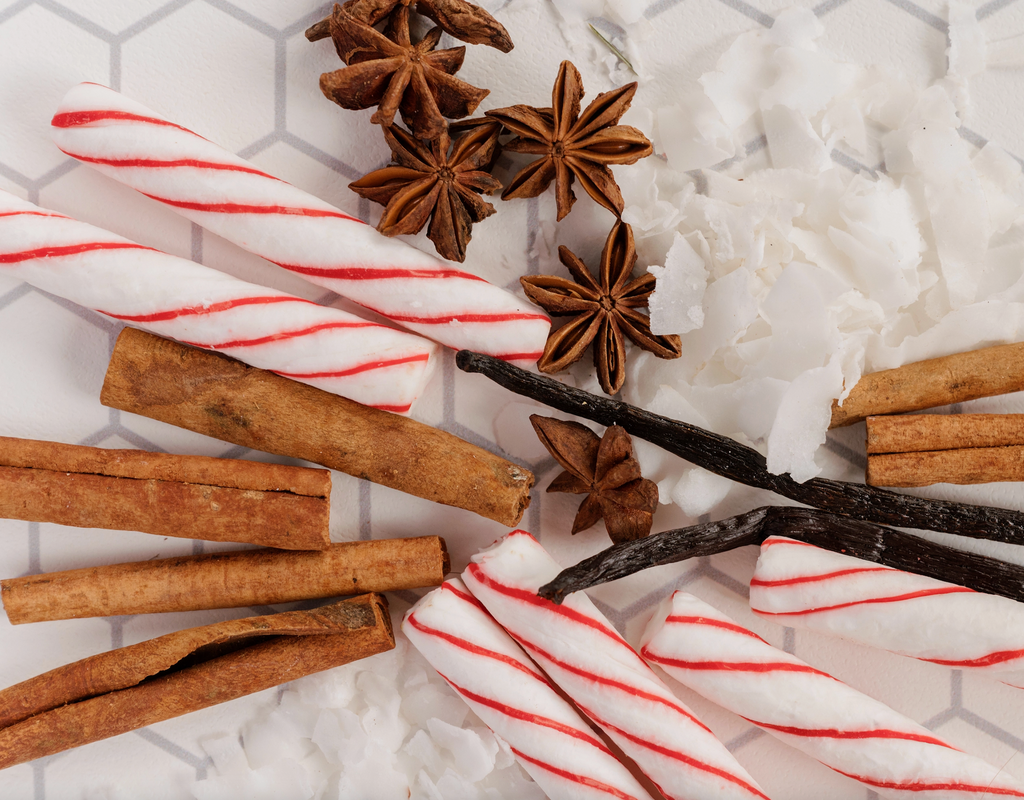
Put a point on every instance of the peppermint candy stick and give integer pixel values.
(805, 586)
(586, 657)
(514, 698)
(268, 217)
(330, 349)
(845, 730)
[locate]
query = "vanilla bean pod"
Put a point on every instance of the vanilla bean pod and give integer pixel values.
(728, 458)
(840, 534)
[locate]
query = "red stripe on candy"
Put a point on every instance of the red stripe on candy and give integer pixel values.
(241, 208)
(58, 251)
(816, 578)
(923, 786)
(465, 596)
(469, 647)
(284, 335)
(998, 657)
(213, 308)
(870, 601)
(526, 716)
(356, 370)
(575, 777)
(78, 119)
(677, 756)
(733, 666)
(834, 733)
(375, 273)
(626, 688)
(153, 163)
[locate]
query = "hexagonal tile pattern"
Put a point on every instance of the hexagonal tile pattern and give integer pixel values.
(244, 75)
(190, 66)
(34, 86)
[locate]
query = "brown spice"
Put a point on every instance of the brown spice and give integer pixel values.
(389, 70)
(172, 675)
(936, 382)
(918, 432)
(465, 21)
(606, 470)
(604, 311)
(227, 580)
(967, 466)
(573, 145)
(217, 499)
(215, 395)
(440, 181)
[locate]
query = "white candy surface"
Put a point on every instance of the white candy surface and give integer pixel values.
(810, 710)
(507, 691)
(170, 296)
(584, 655)
(266, 216)
(804, 586)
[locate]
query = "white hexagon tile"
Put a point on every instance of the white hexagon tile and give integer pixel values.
(242, 74)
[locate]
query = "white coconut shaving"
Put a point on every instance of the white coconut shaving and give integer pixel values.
(863, 233)
(384, 728)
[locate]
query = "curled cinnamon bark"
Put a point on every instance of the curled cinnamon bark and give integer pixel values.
(172, 675)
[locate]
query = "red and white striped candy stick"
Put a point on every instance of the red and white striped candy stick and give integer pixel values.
(499, 682)
(324, 347)
(586, 657)
(805, 586)
(847, 731)
(295, 230)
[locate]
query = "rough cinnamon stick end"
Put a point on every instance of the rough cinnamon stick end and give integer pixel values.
(215, 395)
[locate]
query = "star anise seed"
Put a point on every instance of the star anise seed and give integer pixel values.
(606, 470)
(440, 180)
(603, 311)
(388, 70)
(465, 21)
(573, 145)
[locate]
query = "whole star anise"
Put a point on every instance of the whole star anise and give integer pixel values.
(573, 145)
(606, 470)
(439, 181)
(604, 311)
(465, 21)
(389, 70)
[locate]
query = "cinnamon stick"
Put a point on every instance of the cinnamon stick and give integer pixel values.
(135, 686)
(195, 497)
(226, 580)
(967, 466)
(220, 397)
(912, 433)
(935, 382)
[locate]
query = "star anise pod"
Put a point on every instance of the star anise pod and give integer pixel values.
(440, 181)
(465, 21)
(573, 145)
(389, 70)
(604, 311)
(606, 470)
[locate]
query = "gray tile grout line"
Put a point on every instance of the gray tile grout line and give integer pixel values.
(925, 16)
(988, 9)
(750, 11)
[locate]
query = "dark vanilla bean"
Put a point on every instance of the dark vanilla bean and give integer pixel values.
(840, 534)
(729, 458)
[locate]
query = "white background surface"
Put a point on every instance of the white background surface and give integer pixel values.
(243, 75)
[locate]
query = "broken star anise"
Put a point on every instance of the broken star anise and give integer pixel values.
(605, 311)
(440, 181)
(389, 70)
(573, 145)
(605, 470)
(465, 21)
